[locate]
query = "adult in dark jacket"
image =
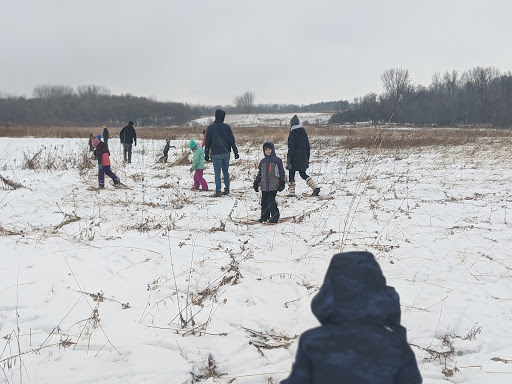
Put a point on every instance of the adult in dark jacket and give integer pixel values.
(128, 138)
(297, 158)
(106, 135)
(218, 143)
(360, 340)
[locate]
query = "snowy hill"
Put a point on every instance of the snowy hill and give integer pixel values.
(160, 284)
(267, 119)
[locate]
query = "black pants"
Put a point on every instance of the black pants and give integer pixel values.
(291, 175)
(268, 205)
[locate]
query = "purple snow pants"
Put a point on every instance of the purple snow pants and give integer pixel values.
(101, 175)
(199, 180)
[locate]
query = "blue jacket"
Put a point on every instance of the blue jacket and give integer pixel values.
(219, 139)
(360, 340)
(270, 171)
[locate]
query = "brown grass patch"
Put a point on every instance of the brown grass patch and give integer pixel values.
(348, 136)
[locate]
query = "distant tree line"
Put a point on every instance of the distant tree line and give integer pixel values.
(246, 103)
(475, 97)
(90, 104)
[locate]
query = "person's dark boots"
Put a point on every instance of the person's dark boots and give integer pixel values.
(129, 158)
(275, 218)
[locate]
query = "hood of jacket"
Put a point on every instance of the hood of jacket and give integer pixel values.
(355, 291)
(273, 154)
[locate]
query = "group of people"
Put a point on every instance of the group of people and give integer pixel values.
(219, 141)
(360, 339)
(128, 138)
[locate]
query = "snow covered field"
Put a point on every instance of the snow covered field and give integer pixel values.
(159, 284)
(267, 120)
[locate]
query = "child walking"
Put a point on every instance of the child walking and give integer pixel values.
(198, 165)
(103, 156)
(163, 159)
(360, 339)
(272, 179)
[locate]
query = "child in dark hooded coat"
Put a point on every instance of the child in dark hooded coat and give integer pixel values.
(360, 340)
(272, 179)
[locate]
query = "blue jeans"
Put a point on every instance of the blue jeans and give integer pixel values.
(221, 162)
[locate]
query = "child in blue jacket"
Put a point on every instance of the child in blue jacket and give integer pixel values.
(271, 176)
(360, 340)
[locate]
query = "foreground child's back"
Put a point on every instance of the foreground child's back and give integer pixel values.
(360, 340)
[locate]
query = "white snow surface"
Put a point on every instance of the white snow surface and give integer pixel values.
(160, 284)
(266, 120)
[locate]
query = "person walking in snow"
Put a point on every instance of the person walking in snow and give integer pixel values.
(198, 166)
(271, 176)
(168, 145)
(91, 148)
(106, 135)
(360, 339)
(103, 156)
(128, 137)
(219, 141)
(297, 159)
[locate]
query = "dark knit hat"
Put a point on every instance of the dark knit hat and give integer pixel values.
(294, 120)
(220, 114)
(266, 145)
(130, 123)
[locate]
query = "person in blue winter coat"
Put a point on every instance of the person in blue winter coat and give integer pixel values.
(360, 340)
(272, 179)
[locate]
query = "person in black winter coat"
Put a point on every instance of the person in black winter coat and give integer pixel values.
(128, 137)
(271, 176)
(218, 142)
(297, 158)
(106, 135)
(360, 340)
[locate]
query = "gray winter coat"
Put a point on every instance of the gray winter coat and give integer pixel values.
(270, 171)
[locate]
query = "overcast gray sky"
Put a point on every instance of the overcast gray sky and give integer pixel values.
(210, 51)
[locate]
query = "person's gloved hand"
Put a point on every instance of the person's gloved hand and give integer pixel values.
(100, 166)
(135, 144)
(288, 166)
(237, 156)
(255, 186)
(191, 170)
(281, 186)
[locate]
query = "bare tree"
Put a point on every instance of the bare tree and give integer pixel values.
(92, 90)
(396, 82)
(245, 103)
(49, 91)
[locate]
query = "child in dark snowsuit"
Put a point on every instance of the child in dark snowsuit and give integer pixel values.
(103, 155)
(272, 179)
(360, 340)
(163, 159)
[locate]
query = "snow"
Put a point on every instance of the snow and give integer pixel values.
(267, 120)
(160, 284)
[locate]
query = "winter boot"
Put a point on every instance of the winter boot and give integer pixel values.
(129, 158)
(291, 188)
(313, 186)
(274, 219)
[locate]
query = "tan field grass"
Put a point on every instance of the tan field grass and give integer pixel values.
(346, 136)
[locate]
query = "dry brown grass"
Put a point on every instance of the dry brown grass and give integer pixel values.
(347, 136)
